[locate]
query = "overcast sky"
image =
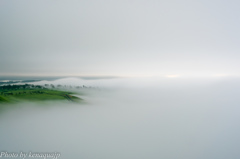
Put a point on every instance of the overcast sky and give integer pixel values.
(119, 37)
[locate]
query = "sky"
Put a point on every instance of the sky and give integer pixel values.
(120, 38)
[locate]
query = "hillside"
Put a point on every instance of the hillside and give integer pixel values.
(16, 93)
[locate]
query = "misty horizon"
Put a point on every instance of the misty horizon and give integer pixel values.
(142, 79)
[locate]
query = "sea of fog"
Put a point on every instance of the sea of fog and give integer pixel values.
(137, 118)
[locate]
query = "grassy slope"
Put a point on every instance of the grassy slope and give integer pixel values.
(36, 95)
(2, 99)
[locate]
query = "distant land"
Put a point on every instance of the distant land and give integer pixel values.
(12, 93)
(4, 77)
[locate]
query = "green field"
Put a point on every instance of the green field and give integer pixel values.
(2, 99)
(17, 93)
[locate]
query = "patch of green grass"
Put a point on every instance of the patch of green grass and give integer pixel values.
(2, 99)
(35, 95)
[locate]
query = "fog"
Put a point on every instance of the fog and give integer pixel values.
(177, 97)
(135, 119)
(119, 38)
